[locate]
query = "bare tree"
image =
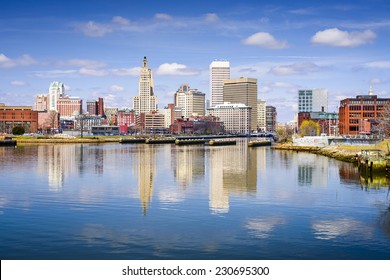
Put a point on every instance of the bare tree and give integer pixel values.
(51, 122)
(384, 121)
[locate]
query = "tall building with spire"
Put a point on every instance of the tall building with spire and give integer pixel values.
(146, 101)
(219, 71)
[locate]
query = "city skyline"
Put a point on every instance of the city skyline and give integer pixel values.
(95, 48)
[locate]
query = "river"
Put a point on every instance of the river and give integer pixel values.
(139, 201)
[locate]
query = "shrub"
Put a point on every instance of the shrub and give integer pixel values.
(18, 130)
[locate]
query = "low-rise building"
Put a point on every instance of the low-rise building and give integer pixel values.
(126, 120)
(197, 125)
(12, 116)
(361, 115)
(235, 117)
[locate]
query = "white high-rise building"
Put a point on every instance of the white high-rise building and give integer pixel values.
(56, 91)
(313, 100)
(146, 101)
(219, 71)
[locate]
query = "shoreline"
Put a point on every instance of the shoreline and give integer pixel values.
(342, 153)
(335, 152)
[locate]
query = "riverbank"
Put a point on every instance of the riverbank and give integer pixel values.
(342, 152)
(74, 140)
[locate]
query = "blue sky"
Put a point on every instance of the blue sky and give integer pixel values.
(96, 47)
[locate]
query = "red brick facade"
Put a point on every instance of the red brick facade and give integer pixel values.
(11, 116)
(360, 115)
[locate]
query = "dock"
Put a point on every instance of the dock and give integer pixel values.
(370, 161)
(190, 141)
(132, 140)
(162, 140)
(259, 143)
(7, 141)
(222, 142)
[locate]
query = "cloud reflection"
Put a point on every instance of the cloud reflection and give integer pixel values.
(331, 229)
(263, 227)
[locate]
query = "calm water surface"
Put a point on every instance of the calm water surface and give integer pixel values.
(141, 201)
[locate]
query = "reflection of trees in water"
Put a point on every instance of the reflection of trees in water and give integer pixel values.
(349, 174)
(375, 181)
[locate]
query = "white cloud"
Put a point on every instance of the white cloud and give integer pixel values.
(67, 88)
(53, 73)
(265, 40)
(162, 16)
(18, 83)
(384, 64)
(265, 89)
(24, 60)
(211, 17)
(175, 69)
(93, 29)
(283, 85)
(6, 62)
(83, 63)
(375, 81)
(135, 71)
(121, 20)
(116, 88)
(301, 68)
(338, 38)
(92, 72)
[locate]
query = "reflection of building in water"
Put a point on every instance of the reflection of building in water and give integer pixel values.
(57, 161)
(233, 170)
(261, 161)
(312, 170)
(305, 174)
(145, 170)
(189, 164)
(348, 173)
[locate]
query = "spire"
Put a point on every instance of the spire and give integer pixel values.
(370, 92)
(145, 63)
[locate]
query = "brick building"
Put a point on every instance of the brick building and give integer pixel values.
(126, 119)
(197, 125)
(68, 106)
(360, 115)
(11, 116)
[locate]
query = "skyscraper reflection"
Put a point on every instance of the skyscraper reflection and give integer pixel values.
(189, 164)
(233, 170)
(145, 169)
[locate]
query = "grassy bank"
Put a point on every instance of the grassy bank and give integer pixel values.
(343, 152)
